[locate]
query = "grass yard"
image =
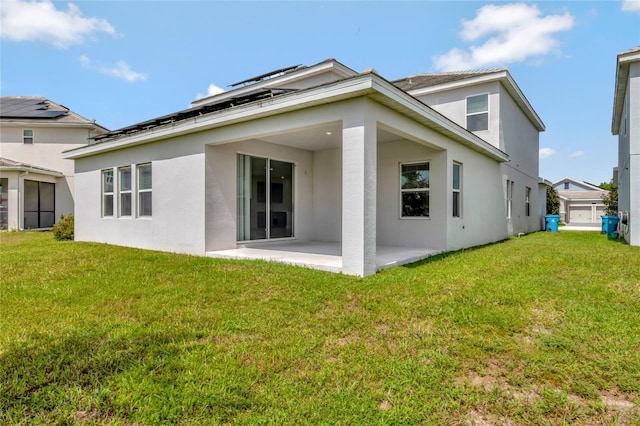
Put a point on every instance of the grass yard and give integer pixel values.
(542, 329)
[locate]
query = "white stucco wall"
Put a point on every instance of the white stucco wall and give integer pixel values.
(629, 157)
(178, 182)
(512, 132)
(453, 104)
(521, 141)
(221, 188)
(46, 152)
(327, 195)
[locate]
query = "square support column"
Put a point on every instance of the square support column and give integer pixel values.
(359, 175)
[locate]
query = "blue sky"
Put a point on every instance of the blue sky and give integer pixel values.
(121, 62)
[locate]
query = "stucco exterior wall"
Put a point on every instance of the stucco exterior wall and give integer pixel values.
(178, 188)
(453, 104)
(46, 151)
(327, 195)
(629, 157)
(509, 130)
(520, 139)
(221, 187)
(483, 209)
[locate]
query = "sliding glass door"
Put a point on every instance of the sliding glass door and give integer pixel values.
(265, 198)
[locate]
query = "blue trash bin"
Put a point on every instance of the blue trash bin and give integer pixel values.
(609, 225)
(551, 222)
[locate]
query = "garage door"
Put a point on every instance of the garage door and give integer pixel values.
(580, 214)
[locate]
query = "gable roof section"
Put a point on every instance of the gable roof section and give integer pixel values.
(366, 84)
(7, 165)
(279, 79)
(422, 84)
(625, 59)
(585, 185)
(36, 109)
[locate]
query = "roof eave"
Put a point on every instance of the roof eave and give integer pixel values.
(502, 76)
(369, 84)
(620, 89)
(31, 169)
(34, 122)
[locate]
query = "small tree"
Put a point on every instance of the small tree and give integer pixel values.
(553, 201)
(610, 201)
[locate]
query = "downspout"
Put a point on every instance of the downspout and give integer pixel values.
(20, 203)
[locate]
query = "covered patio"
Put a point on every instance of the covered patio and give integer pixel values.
(326, 256)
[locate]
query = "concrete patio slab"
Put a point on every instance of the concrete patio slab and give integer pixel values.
(320, 255)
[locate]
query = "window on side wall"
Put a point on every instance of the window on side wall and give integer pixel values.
(414, 189)
(124, 184)
(144, 190)
(457, 190)
(527, 201)
(27, 137)
(107, 193)
(509, 198)
(478, 112)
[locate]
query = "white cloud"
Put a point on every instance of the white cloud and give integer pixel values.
(211, 90)
(120, 70)
(631, 6)
(546, 152)
(41, 21)
(577, 154)
(507, 33)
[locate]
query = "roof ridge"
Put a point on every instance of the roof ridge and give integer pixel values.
(461, 72)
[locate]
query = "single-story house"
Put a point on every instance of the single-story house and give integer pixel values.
(317, 165)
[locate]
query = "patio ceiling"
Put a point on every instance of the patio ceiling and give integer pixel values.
(323, 137)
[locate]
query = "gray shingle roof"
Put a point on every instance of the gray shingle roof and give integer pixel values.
(36, 108)
(419, 81)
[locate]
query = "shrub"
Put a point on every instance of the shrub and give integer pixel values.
(63, 230)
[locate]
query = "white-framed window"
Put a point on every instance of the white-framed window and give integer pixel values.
(124, 191)
(527, 201)
(27, 137)
(478, 112)
(509, 198)
(414, 189)
(144, 186)
(107, 192)
(457, 190)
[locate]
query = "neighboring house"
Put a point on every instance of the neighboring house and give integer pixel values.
(580, 202)
(626, 124)
(36, 183)
(324, 156)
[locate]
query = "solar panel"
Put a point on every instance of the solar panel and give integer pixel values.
(265, 75)
(28, 108)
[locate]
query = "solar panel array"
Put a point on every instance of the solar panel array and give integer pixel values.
(28, 108)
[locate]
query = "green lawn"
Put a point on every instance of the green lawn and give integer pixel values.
(542, 329)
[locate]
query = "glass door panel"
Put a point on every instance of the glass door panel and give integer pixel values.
(281, 199)
(264, 198)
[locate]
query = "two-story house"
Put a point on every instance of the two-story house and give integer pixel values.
(490, 104)
(322, 166)
(625, 124)
(580, 202)
(36, 183)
